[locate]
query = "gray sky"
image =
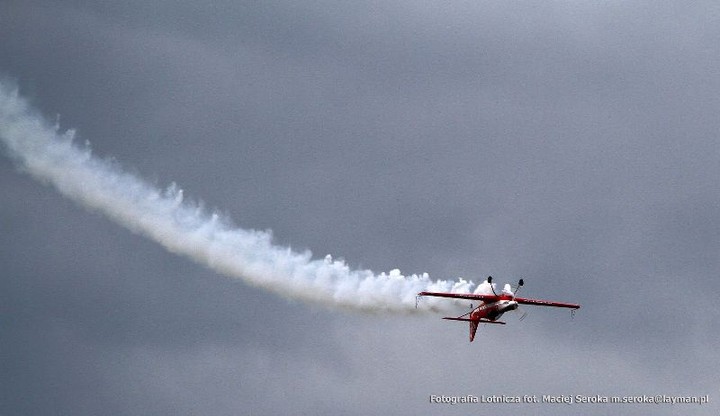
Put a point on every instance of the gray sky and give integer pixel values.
(570, 143)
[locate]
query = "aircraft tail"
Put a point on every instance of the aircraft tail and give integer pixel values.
(474, 324)
(473, 329)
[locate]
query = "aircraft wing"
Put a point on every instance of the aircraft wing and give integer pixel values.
(493, 298)
(471, 296)
(540, 302)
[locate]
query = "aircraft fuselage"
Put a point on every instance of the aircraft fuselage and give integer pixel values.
(494, 310)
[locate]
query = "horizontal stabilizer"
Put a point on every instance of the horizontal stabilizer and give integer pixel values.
(482, 321)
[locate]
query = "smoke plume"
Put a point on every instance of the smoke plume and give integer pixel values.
(40, 149)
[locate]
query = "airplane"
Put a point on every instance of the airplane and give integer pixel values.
(492, 307)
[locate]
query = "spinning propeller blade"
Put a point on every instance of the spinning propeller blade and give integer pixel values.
(522, 312)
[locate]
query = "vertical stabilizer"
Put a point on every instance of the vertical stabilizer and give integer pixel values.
(473, 329)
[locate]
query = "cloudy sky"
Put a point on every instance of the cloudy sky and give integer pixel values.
(573, 144)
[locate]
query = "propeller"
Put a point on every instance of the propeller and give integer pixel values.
(522, 312)
(520, 284)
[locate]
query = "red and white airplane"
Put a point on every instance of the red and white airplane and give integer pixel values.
(492, 307)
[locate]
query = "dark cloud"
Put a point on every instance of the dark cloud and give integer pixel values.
(570, 144)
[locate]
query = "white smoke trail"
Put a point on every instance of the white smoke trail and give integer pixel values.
(50, 156)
